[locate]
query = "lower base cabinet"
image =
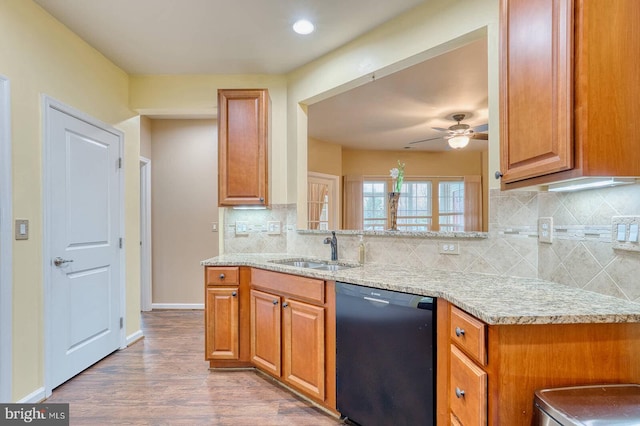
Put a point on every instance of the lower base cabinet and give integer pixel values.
(287, 341)
(222, 332)
(303, 347)
(491, 372)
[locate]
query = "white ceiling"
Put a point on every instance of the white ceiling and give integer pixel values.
(218, 37)
(255, 37)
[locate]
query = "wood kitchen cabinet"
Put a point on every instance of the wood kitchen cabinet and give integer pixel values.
(243, 139)
(569, 90)
(291, 335)
(490, 372)
(266, 332)
(226, 313)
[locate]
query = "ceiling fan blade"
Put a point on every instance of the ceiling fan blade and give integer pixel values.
(480, 136)
(481, 128)
(440, 129)
(423, 140)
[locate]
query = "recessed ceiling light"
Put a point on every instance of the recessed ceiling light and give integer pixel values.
(303, 26)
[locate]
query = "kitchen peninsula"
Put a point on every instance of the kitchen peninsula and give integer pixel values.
(521, 334)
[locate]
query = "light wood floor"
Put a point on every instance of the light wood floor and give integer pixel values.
(164, 380)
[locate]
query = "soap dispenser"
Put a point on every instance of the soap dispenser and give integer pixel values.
(361, 251)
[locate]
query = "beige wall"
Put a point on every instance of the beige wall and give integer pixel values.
(145, 137)
(184, 193)
(324, 157)
(40, 56)
(450, 163)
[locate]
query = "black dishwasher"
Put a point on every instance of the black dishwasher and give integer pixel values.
(385, 356)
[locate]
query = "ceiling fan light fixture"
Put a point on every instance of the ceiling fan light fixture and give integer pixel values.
(458, 142)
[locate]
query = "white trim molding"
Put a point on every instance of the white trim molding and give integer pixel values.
(6, 245)
(145, 235)
(134, 337)
(34, 397)
(194, 306)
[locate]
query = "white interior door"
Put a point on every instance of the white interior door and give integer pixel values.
(83, 215)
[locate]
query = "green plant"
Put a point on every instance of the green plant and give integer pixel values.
(397, 174)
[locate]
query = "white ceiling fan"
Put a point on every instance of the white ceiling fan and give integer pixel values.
(459, 135)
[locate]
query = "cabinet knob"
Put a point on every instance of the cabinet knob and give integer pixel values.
(459, 331)
(234, 293)
(275, 301)
(459, 393)
(498, 174)
(261, 199)
(222, 276)
(285, 304)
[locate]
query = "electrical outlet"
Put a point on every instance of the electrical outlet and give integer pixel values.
(447, 247)
(273, 227)
(545, 230)
(242, 228)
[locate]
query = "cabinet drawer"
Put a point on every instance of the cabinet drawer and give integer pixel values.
(467, 390)
(291, 285)
(221, 276)
(469, 333)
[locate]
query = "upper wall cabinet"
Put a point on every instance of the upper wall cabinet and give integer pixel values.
(243, 139)
(570, 90)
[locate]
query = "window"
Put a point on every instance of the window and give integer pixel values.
(374, 205)
(451, 206)
(427, 204)
(414, 206)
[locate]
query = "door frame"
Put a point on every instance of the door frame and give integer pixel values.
(49, 103)
(6, 244)
(145, 235)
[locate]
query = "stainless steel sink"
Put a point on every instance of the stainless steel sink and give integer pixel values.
(313, 264)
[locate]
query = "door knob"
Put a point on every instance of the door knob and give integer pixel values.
(58, 261)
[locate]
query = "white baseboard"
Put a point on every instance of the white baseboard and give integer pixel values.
(177, 306)
(34, 397)
(134, 337)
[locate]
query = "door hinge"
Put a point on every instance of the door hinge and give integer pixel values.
(120, 243)
(120, 162)
(121, 322)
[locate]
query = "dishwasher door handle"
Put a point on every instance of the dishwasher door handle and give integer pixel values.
(371, 299)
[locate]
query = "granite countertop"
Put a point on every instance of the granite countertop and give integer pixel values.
(493, 299)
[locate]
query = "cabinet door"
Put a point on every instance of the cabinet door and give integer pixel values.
(266, 331)
(221, 321)
(303, 346)
(536, 107)
(243, 131)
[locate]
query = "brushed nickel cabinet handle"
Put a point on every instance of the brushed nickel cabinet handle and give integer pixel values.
(459, 393)
(459, 331)
(221, 276)
(275, 301)
(234, 294)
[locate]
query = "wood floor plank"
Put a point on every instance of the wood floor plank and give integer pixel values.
(163, 379)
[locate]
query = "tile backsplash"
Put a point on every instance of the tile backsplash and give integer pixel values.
(580, 255)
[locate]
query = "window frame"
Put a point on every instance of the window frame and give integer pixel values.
(434, 226)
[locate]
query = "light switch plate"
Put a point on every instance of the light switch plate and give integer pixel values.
(545, 230)
(274, 227)
(242, 228)
(624, 230)
(22, 229)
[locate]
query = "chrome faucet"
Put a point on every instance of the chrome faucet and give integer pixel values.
(334, 245)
